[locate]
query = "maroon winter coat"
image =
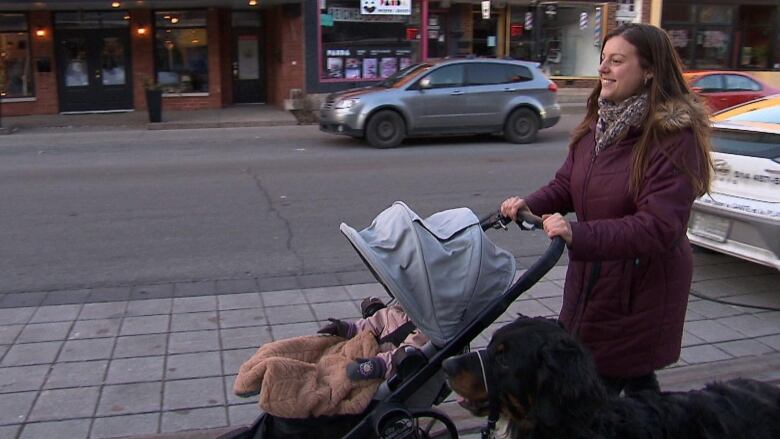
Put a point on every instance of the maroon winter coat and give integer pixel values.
(632, 319)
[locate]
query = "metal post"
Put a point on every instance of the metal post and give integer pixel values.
(424, 31)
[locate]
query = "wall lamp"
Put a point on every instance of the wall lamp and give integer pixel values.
(141, 31)
(40, 32)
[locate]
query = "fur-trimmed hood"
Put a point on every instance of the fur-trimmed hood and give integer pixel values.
(680, 113)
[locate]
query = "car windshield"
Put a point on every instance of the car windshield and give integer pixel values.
(765, 115)
(747, 143)
(403, 76)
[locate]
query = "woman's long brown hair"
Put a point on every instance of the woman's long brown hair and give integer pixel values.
(657, 55)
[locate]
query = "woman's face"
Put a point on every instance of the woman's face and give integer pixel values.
(620, 73)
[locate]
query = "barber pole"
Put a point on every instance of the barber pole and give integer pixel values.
(583, 20)
(529, 20)
(597, 27)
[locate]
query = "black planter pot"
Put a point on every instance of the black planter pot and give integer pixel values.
(154, 105)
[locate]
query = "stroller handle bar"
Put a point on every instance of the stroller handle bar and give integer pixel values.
(495, 220)
(488, 315)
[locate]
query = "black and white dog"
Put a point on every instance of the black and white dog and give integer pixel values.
(545, 383)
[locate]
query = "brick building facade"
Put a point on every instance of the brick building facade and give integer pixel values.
(99, 56)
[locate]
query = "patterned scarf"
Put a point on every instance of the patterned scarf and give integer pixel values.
(616, 119)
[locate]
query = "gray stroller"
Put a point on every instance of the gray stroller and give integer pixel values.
(453, 283)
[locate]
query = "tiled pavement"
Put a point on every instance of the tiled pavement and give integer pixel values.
(115, 362)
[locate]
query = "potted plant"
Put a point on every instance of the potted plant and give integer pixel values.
(153, 99)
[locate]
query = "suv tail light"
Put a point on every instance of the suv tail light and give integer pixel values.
(553, 87)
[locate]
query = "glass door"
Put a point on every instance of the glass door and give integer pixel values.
(93, 59)
(247, 67)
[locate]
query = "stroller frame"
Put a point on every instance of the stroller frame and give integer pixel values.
(387, 417)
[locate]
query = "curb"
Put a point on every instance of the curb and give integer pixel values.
(198, 125)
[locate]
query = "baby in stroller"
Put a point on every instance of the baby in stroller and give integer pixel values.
(397, 336)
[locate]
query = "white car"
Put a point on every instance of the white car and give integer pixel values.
(741, 215)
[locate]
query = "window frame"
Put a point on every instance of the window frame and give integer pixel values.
(32, 94)
(155, 27)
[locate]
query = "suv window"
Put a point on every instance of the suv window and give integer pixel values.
(519, 73)
(738, 83)
(494, 73)
(710, 83)
(447, 76)
(486, 74)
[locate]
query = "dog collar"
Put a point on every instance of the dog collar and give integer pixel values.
(487, 431)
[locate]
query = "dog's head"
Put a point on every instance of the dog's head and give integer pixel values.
(541, 375)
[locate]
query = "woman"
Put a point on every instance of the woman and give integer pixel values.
(635, 164)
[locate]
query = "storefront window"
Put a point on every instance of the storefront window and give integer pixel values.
(712, 49)
(715, 14)
(677, 12)
(572, 40)
(522, 44)
(682, 43)
(756, 24)
(15, 67)
(358, 45)
(181, 51)
(710, 36)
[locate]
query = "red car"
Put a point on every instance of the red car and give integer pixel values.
(723, 89)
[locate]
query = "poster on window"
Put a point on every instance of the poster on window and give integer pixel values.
(388, 66)
(404, 63)
(352, 68)
(386, 7)
(369, 68)
(335, 66)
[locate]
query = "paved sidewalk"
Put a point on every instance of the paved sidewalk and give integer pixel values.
(572, 100)
(158, 359)
(248, 115)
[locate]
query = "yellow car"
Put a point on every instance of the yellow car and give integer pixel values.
(741, 214)
(763, 105)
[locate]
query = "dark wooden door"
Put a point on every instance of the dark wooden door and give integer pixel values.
(248, 68)
(94, 70)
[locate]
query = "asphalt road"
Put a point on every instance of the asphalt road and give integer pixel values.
(90, 209)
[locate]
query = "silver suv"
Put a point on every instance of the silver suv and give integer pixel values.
(458, 96)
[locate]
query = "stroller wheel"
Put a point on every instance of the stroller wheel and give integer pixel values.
(433, 424)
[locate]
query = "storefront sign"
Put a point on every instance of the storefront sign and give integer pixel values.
(386, 7)
(354, 15)
(486, 9)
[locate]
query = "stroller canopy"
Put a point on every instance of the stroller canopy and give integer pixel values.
(443, 269)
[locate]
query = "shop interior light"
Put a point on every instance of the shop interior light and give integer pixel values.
(115, 4)
(40, 32)
(141, 31)
(252, 2)
(174, 20)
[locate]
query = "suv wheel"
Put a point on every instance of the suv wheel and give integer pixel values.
(521, 126)
(385, 129)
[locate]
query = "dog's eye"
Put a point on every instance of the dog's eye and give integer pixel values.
(499, 355)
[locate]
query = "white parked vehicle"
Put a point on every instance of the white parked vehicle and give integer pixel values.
(741, 215)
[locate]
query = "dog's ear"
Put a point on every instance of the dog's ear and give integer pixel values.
(568, 387)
